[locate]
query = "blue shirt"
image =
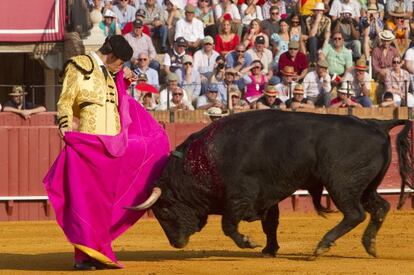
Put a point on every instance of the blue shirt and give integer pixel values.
(231, 60)
(152, 76)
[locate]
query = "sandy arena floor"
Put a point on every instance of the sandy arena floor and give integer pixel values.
(40, 248)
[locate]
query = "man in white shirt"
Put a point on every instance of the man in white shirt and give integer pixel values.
(259, 52)
(205, 59)
(360, 83)
(191, 28)
(317, 85)
(124, 12)
(227, 7)
(172, 86)
(339, 5)
(409, 64)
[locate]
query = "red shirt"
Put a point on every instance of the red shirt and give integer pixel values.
(226, 46)
(338, 99)
(299, 64)
(129, 27)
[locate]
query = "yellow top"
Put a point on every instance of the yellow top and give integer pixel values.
(86, 94)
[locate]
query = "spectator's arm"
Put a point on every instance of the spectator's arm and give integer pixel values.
(409, 65)
(178, 30)
(261, 106)
(354, 32)
(12, 110)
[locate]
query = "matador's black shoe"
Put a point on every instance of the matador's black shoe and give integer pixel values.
(85, 266)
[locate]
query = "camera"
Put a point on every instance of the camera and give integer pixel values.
(364, 23)
(220, 65)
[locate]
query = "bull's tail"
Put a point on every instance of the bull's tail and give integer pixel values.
(405, 160)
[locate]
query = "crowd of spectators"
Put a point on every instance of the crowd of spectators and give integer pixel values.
(257, 54)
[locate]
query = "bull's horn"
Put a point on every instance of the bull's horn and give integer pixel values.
(156, 193)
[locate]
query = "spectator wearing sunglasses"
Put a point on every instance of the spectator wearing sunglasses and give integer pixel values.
(210, 99)
(189, 78)
(142, 66)
(239, 58)
(295, 59)
(271, 24)
(397, 81)
(177, 102)
(339, 58)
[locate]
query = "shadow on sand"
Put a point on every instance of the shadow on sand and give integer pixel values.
(63, 261)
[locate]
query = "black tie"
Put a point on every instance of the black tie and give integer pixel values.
(105, 72)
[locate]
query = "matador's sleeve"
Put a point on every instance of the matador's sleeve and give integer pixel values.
(67, 97)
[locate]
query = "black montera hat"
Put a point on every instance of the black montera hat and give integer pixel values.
(120, 47)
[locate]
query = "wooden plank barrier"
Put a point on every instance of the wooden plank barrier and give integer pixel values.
(29, 148)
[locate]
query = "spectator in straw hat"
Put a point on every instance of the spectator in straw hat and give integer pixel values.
(317, 84)
(360, 82)
(269, 100)
(17, 104)
(318, 30)
(215, 113)
(236, 102)
(344, 97)
(299, 100)
(285, 88)
(399, 25)
(383, 55)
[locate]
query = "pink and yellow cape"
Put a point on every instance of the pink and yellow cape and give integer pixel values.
(95, 176)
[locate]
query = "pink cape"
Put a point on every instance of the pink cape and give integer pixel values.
(95, 176)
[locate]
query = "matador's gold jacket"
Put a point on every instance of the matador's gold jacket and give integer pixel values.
(88, 95)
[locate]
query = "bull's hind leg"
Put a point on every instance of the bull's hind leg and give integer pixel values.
(378, 208)
(232, 216)
(354, 214)
(269, 225)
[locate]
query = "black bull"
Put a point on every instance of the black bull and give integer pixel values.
(241, 166)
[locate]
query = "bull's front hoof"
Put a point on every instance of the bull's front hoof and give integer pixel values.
(321, 250)
(269, 252)
(370, 246)
(248, 243)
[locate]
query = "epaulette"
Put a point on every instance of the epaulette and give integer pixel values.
(83, 63)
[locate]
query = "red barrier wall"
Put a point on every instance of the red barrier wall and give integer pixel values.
(28, 148)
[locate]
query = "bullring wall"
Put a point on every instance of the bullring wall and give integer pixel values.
(29, 147)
